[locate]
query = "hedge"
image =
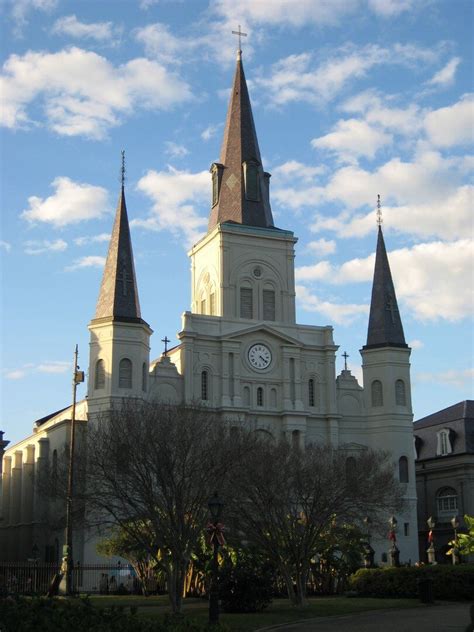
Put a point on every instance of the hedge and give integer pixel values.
(449, 582)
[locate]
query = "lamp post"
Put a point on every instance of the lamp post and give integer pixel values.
(216, 538)
(455, 552)
(394, 553)
(431, 551)
(368, 550)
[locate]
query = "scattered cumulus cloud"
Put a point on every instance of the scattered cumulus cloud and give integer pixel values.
(49, 366)
(353, 138)
(5, 245)
(391, 8)
(445, 77)
(53, 367)
(210, 131)
(98, 31)
(92, 239)
(82, 93)
(416, 344)
(340, 313)
(15, 374)
(72, 202)
(452, 125)
(461, 379)
(322, 247)
(92, 261)
(22, 8)
(40, 247)
(176, 195)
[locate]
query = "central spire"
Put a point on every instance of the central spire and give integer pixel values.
(240, 186)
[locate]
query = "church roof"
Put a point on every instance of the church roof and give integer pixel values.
(239, 146)
(118, 296)
(461, 410)
(385, 325)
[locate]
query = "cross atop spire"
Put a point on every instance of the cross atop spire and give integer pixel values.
(379, 212)
(240, 34)
(345, 355)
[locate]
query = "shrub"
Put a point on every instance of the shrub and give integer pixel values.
(245, 588)
(449, 582)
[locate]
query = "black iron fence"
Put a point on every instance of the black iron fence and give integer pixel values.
(36, 577)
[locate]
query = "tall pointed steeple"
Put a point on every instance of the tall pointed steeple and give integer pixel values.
(118, 296)
(240, 186)
(385, 325)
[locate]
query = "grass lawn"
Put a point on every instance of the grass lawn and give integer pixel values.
(280, 611)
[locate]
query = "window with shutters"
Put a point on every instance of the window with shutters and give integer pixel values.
(400, 395)
(246, 302)
(447, 503)
(403, 469)
(311, 392)
(144, 376)
(444, 442)
(259, 396)
(252, 189)
(99, 375)
(125, 373)
(377, 393)
(204, 385)
(268, 305)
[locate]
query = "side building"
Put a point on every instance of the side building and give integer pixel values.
(444, 449)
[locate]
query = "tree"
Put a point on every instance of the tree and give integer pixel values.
(286, 500)
(465, 541)
(150, 471)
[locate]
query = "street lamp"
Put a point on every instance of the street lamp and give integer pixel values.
(431, 551)
(394, 553)
(368, 550)
(216, 538)
(455, 552)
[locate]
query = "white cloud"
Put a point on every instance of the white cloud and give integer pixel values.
(413, 269)
(322, 247)
(71, 203)
(293, 169)
(5, 245)
(390, 8)
(98, 31)
(175, 150)
(15, 374)
(452, 125)
(353, 137)
(40, 247)
(416, 344)
(54, 367)
(92, 239)
(445, 76)
(459, 378)
(341, 313)
(176, 196)
(21, 9)
(82, 92)
(92, 261)
(210, 131)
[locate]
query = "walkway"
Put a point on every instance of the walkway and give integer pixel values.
(437, 618)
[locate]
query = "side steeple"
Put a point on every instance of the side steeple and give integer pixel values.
(385, 325)
(118, 296)
(240, 187)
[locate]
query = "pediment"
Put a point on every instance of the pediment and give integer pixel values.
(265, 329)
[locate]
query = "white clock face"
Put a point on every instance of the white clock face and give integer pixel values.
(260, 356)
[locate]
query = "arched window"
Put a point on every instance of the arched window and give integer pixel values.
(444, 443)
(144, 377)
(259, 396)
(246, 302)
(447, 503)
(311, 392)
(268, 304)
(246, 396)
(252, 189)
(54, 473)
(403, 469)
(400, 395)
(377, 393)
(99, 381)
(204, 385)
(125, 373)
(212, 303)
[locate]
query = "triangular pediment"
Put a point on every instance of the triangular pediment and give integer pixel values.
(259, 328)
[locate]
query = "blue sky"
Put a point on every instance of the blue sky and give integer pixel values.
(351, 98)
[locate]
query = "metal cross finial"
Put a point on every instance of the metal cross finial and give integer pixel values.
(240, 34)
(166, 340)
(122, 170)
(379, 211)
(345, 355)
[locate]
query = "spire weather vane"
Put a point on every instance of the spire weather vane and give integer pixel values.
(379, 211)
(240, 34)
(122, 169)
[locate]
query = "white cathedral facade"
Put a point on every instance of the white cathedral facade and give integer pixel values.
(240, 352)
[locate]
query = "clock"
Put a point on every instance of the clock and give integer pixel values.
(259, 356)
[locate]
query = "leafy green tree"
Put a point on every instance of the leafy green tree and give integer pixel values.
(465, 541)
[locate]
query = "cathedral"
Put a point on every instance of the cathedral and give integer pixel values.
(240, 352)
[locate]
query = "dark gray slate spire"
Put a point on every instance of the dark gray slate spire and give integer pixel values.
(240, 155)
(118, 296)
(385, 325)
